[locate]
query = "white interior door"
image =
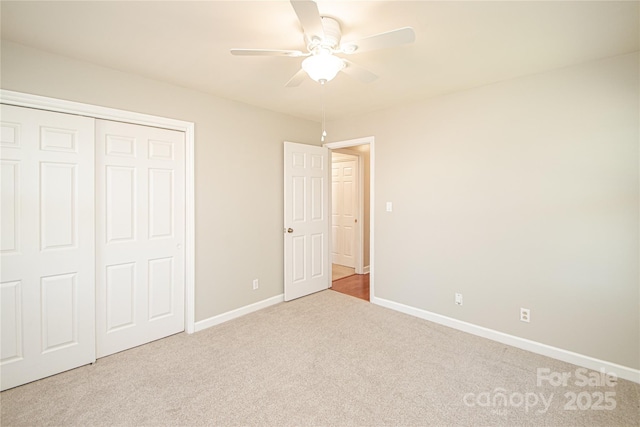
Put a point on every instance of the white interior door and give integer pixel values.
(344, 208)
(47, 244)
(140, 229)
(307, 265)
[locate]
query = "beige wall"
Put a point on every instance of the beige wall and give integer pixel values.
(238, 167)
(523, 193)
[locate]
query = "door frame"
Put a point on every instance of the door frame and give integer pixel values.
(370, 140)
(21, 99)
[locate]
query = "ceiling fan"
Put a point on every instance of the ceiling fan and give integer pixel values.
(322, 36)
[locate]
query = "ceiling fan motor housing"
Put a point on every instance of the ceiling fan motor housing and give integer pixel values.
(332, 36)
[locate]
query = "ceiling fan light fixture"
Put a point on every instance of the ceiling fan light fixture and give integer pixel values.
(322, 66)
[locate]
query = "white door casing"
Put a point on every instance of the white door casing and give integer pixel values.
(47, 244)
(369, 140)
(344, 210)
(307, 264)
(140, 232)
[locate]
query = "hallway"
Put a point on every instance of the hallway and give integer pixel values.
(356, 285)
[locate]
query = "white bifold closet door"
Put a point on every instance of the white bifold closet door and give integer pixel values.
(92, 257)
(140, 234)
(47, 244)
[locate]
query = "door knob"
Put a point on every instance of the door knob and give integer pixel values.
(289, 230)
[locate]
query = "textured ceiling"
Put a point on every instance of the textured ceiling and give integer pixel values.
(458, 45)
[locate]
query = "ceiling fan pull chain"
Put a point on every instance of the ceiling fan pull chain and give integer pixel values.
(324, 132)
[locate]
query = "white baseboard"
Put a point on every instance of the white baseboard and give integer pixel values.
(624, 372)
(238, 312)
(365, 270)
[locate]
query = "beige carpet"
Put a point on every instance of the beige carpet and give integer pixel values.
(324, 360)
(340, 271)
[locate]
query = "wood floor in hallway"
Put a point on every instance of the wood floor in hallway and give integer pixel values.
(356, 286)
(340, 271)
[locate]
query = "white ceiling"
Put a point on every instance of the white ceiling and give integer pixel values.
(458, 45)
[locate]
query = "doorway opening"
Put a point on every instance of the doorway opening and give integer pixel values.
(352, 217)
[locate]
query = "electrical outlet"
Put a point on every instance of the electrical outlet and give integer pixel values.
(458, 299)
(525, 315)
(256, 284)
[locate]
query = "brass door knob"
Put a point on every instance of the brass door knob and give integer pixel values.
(289, 230)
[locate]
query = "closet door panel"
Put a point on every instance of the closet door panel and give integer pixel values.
(47, 270)
(140, 197)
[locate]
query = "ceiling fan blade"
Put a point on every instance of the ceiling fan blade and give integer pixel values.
(358, 72)
(309, 17)
(267, 52)
(297, 78)
(380, 41)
